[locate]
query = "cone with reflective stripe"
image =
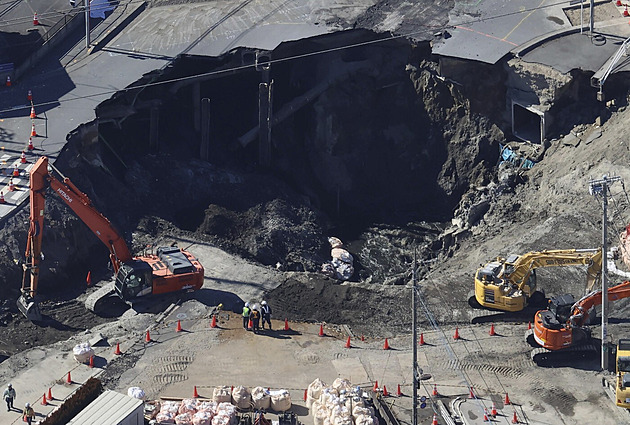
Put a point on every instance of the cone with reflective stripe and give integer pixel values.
(11, 185)
(348, 343)
(456, 336)
(44, 401)
(117, 350)
(35, 19)
(23, 157)
(179, 326)
(286, 324)
(29, 96)
(485, 415)
(398, 392)
(435, 392)
(33, 115)
(471, 393)
(493, 411)
(492, 332)
(515, 418)
(213, 324)
(434, 421)
(386, 345)
(507, 399)
(16, 171)
(30, 144)
(321, 330)
(8, 81)
(2, 201)
(195, 393)
(33, 132)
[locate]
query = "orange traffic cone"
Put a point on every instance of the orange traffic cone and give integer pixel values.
(385, 393)
(147, 337)
(117, 350)
(435, 392)
(91, 365)
(35, 19)
(44, 401)
(11, 185)
(362, 338)
(618, 3)
(471, 393)
(398, 392)
(23, 157)
(250, 325)
(179, 326)
(16, 171)
(529, 325)
(386, 345)
(375, 388)
(33, 132)
(492, 332)
(195, 393)
(485, 415)
(434, 421)
(30, 144)
(305, 394)
(348, 343)
(515, 418)
(321, 330)
(421, 339)
(68, 379)
(493, 411)
(2, 201)
(456, 336)
(29, 96)
(50, 397)
(213, 324)
(8, 81)
(33, 115)
(625, 11)
(507, 399)
(286, 324)
(88, 279)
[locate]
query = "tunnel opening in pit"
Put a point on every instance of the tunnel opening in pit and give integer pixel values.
(528, 123)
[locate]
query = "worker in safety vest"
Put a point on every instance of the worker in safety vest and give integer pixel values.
(29, 413)
(246, 313)
(255, 316)
(266, 314)
(9, 396)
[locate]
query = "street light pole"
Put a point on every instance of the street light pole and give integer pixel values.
(597, 188)
(414, 342)
(87, 24)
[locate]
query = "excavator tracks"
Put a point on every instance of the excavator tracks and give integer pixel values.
(543, 357)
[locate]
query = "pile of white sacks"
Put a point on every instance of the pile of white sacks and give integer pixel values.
(339, 404)
(342, 264)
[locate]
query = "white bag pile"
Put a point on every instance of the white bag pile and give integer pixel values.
(339, 404)
(202, 418)
(168, 411)
(222, 394)
(189, 405)
(261, 398)
(195, 412)
(82, 352)
(342, 264)
(183, 419)
(241, 397)
(136, 392)
(280, 400)
(225, 414)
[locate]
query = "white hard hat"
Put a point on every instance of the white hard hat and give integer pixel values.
(264, 303)
(28, 404)
(9, 386)
(246, 304)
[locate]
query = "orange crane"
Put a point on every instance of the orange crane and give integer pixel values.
(561, 331)
(169, 270)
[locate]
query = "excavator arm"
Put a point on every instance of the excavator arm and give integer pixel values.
(584, 304)
(40, 179)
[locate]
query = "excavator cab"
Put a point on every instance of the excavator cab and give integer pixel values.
(134, 279)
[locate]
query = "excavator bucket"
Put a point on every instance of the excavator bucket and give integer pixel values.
(29, 308)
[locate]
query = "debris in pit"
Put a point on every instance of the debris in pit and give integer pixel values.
(342, 264)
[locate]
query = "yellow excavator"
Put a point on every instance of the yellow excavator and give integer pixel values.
(622, 391)
(509, 284)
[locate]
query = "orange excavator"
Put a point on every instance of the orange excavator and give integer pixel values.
(169, 270)
(561, 331)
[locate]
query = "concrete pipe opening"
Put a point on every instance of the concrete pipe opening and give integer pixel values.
(528, 123)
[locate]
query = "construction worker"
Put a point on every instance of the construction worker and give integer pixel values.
(29, 413)
(266, 314)
(246, 313)
(255, 316)
(9, 396)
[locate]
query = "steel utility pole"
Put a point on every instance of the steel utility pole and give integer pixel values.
(600, 188)
(414, 342)
(87, 24)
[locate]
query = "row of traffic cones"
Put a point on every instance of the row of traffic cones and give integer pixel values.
(376, 388)
(349, 345)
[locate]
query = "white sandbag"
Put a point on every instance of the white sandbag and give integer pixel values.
(82, 352)
(221, 420)
(342, 255)
(183, 419)
(319, 413)
(202, 418)
(280, 400)
(315, 388)
(165, 418)
(261, 398)
(171, 407)
(357, 402)
(222, 394)
(362, 410)
(209, 406)
(340, 384)
(241, 397)
(339, 410)
(189, 405)
(341, 420)
(366, 420)
(226, 409)
(136, 392)
(327, 395)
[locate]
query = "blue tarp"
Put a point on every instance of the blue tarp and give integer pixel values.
(509, 155)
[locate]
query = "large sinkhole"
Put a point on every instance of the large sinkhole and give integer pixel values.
(350, 126)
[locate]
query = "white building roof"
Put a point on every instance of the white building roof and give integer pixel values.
(108, 409)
